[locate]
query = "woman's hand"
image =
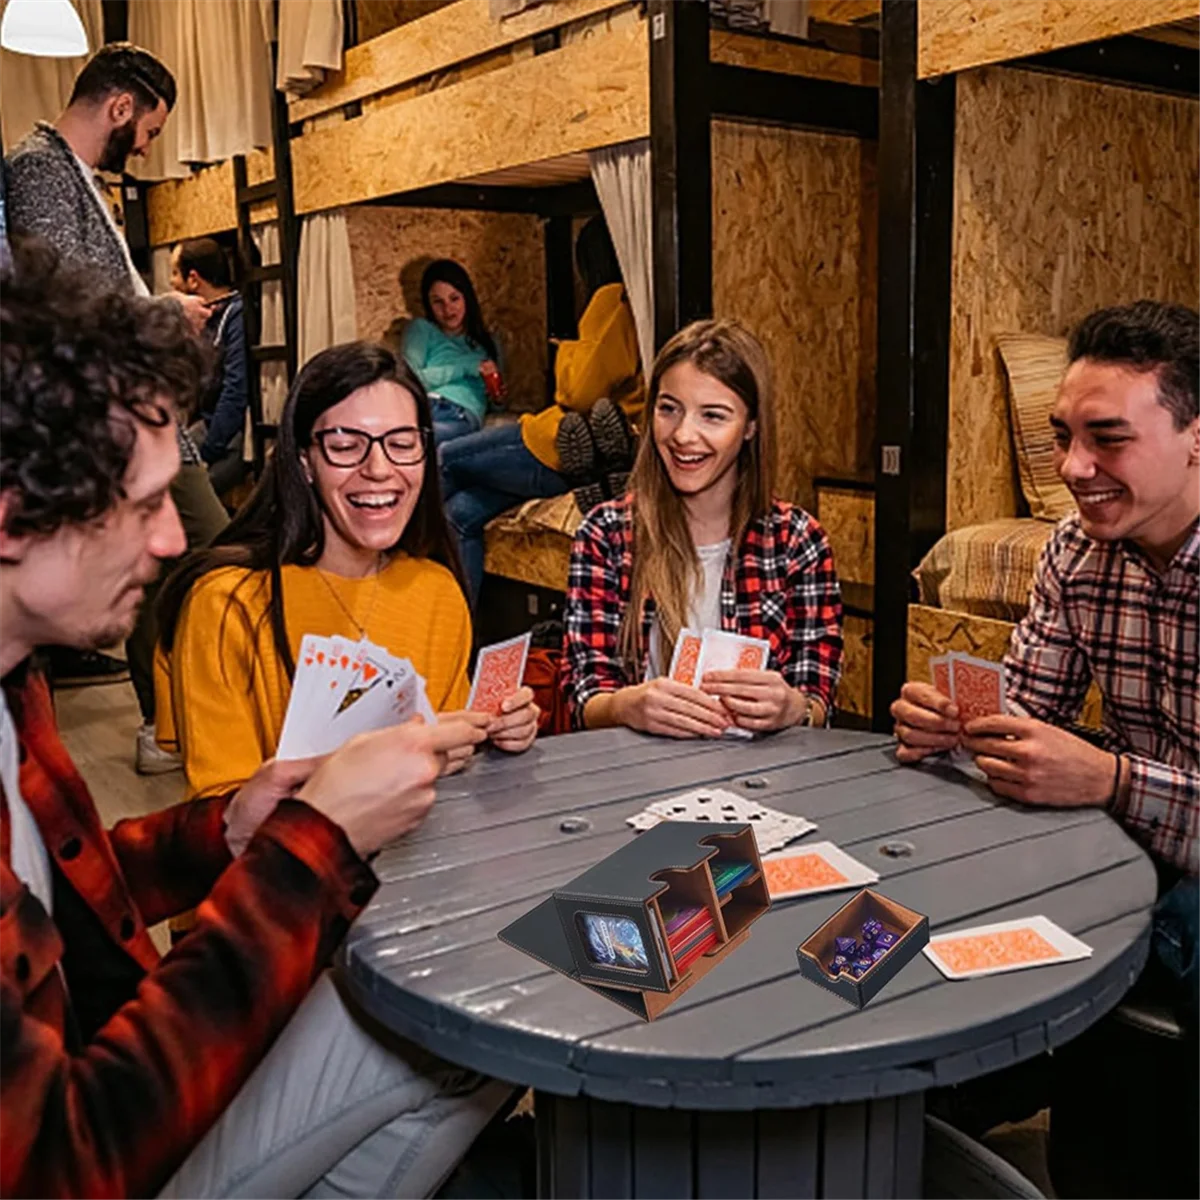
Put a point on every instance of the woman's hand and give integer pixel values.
(458, 757)
(670, 709)
(759, 701)
(514, 730)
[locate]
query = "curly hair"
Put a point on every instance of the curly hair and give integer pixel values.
(1148, 336)
(79, 365)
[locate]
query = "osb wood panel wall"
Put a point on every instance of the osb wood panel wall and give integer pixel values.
(502, 252)
(794, 258)
(1069, 196)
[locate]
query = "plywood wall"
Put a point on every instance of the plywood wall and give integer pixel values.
(794, 257)
(1069, 196)
(504, 254)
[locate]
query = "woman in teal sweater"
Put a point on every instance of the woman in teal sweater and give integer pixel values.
(452, 352)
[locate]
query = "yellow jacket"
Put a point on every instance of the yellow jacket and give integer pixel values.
(603, 361)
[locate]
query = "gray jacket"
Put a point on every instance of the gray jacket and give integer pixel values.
(49, 196)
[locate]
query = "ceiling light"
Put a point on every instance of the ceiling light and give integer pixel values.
(47, 28)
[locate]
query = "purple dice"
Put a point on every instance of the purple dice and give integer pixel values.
(858, 970)
(878, 953)
(845, 945)
(885, 939)
(838, 963)
(872, 929)
(862, 963)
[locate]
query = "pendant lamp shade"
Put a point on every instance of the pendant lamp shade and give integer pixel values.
(46, 28)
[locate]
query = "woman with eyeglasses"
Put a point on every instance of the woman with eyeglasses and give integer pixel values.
(344, 535)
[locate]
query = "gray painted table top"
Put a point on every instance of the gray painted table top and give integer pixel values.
(424, 957)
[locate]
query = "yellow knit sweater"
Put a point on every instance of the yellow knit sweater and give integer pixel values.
(223, 693)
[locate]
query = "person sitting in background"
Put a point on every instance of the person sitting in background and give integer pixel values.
(344, 535)
(1116, 602)
(452, 353)
(701, 542)
(123, 1073)
(200, 267)
(487, 472)
(119, 104)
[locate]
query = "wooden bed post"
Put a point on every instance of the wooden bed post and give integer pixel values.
(916, 206)
(681, 164)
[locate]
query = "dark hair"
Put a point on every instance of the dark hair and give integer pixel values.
(207, 257)
(124, 67)
(79, 365)
(595, 256)
(281, 523)
(1148, 336)
(446, 270)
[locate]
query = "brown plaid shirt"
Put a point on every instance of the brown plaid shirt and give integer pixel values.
(1100, 611)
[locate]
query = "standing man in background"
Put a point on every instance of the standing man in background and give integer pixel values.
(119, 104)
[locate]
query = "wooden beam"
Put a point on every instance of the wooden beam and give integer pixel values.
(844, 12)
(791, 58)
(586, 95)
(442, 39)
(768, 98)
(956, 34)
(916, 206)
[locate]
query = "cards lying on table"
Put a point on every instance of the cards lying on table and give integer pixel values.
(499, 670)
(978, 686)
(772, 829)
(1005, 946)
(716, 650)
(343, 688)
(819, 867)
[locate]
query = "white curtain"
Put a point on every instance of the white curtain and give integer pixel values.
(272, 375)
(325, 285)
(622, 178)
(219, 52)
(310, 44)
(788, 17)
(37, 89)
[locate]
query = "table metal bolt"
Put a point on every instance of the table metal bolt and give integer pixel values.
(574, 825)
(897, 849)
(755, 782)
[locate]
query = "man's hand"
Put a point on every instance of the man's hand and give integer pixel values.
(194, 308)
(759, 700)
(255, 801)
(514, 730)
(1037, 763)
(379, 786)
(926, 722)
(671, 709)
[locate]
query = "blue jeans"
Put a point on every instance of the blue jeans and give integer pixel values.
(451, 420)
(1174, 937)
(483, 474)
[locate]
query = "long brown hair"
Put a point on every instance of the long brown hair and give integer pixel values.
(282, 521)
(665, 563)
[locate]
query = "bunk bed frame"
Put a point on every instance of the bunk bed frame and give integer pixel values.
(924, 46)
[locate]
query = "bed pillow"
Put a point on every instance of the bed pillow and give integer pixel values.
(1035, 365)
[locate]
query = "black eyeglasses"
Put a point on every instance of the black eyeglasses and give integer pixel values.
(403, 446)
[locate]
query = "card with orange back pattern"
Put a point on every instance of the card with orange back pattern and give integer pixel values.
(686, 657)
(498, 674)
(1006, 946)
(821, 867)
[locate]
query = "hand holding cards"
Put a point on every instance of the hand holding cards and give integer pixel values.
(499, 671)
(343, 688)
(696, 654)
(978, 688)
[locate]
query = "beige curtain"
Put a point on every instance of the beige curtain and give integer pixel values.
(219, 52)
(37, 89)
(325, 285)
(272, 375)
(622, 178)
(310, 44)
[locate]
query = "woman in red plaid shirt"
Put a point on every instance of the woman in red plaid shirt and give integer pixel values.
(700, 542)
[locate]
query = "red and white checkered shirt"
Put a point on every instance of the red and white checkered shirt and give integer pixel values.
(1099, 611)
(780, 584)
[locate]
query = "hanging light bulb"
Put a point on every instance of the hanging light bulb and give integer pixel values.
(46, 28)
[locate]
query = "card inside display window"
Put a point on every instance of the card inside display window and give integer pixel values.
(612, 941)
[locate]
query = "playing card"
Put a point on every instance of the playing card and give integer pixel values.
(939, 673)
(721, 651)
(772, 829)
(686, 657)
(498, 673)
(313, 668)
(820, 867)
(1004, 946)
(977, 686)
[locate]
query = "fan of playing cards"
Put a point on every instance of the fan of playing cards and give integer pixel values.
(716, 650)
(772, 829)
(343, 688)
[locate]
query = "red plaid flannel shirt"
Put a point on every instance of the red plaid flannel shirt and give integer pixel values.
(1099, 611)
(780, 585)
(117, 1115)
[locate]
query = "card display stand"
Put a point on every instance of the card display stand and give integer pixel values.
(815, 952)
(668, 867)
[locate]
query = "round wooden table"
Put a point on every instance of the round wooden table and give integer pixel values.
(756, 1082)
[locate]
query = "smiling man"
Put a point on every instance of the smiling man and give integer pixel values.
(1114, 602)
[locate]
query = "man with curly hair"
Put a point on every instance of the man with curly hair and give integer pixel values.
(120, 101)
(232, 1065)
